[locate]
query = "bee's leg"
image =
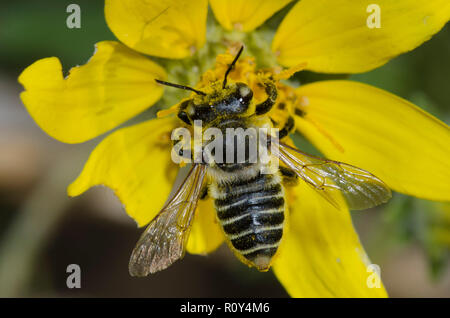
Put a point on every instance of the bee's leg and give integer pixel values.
(288, 127)
(266, 106)
(204, 193)
(289, 176)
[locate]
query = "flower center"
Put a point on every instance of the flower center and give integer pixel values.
(188, 71)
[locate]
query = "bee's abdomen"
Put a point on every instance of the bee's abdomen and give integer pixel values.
(251, 212)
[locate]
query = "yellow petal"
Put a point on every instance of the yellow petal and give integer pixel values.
(206, 234)
(115, 85)
(245, 15)
(334, 37)
(384, 134)
(170, 28)
(320, 255)
(136, 163)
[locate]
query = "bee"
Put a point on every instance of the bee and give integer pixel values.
(250, 205)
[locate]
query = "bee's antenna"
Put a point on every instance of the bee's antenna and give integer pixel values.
(180, 86)
(231, 66)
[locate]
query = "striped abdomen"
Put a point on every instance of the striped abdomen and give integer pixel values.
(251, 212)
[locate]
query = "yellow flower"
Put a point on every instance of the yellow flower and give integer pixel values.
(321, 255)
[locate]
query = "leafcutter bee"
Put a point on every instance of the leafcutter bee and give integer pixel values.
(250, 205)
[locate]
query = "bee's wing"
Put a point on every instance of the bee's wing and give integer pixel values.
(163, 242)
(359, 188)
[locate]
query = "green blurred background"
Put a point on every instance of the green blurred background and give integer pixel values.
(42, 231)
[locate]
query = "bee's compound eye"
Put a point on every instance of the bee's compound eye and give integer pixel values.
(190, 110)
(184, 117)
(244, 91)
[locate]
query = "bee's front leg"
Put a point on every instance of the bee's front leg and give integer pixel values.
(272, 93)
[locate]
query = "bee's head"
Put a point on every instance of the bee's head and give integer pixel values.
(234, 100)
(223, 100)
